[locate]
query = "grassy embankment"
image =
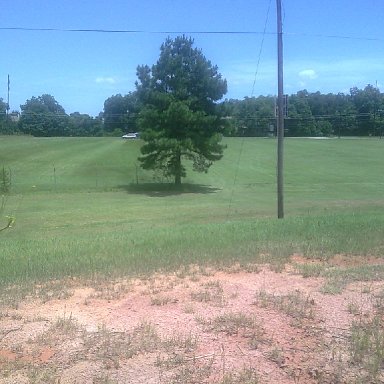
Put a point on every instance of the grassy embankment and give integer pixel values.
(84, 208)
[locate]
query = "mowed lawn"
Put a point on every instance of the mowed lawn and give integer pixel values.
(84, 207)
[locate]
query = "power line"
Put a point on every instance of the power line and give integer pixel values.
(197, 32)
(129, 31)
(261, 47)
(344, 37)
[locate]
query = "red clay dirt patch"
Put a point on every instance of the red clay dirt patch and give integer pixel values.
(7, 355)
(199, 326)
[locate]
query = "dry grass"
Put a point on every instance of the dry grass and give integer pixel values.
(222, 344)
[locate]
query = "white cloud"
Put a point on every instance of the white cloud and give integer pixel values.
(105, 80)
(308, 74)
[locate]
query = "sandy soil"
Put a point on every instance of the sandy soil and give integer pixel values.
(195, 326)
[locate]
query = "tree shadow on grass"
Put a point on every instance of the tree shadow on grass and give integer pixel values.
(168, 189)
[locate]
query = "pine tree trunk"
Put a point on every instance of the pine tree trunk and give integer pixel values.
(178, 180)
(178, 169)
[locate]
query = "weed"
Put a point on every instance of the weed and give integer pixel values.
(354, 308)
(295, 304)
(110, 346)
(251, 268)
(194, 277)
(158, 285)
(11, 296)
(241, 267)
(170, 361)
(234, 323)
(106, 290)
(333, 286)
(145, 337)
(379, 303)
(339, 278)
(212, 292)
(309, 270)
(9, 367)
(367, 288)
(63, 328)
(276, 355)
(189, 308)
(38, 375)
(192, 373)
(263, 299)
(53, 290)
(255, 338)
(367, 345)
(234, 295)
(278, 265)
(206, 271)
(161, 300)
(186, 343)
(103, 379)
(181, 273)
(245, 376)
(67, 325)
(234, 268)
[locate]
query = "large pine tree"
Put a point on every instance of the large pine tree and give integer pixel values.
(179, 120)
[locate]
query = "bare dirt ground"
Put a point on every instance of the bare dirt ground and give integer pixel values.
(239, 325)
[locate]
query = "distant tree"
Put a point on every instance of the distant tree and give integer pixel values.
(3, 109)
(120, 113)
(84, 125)
(179, 119)
(251, 116)
(301, 121)
(323, 128)
(7, 125)
(361, 112)
(3, 114)
(43, 116)
(368, 103)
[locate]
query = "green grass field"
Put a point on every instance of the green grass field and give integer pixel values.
(83, 207)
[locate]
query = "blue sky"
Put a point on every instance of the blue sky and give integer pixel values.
(329, 46)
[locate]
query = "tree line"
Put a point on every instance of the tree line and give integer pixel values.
(43, 116)
(357, 113)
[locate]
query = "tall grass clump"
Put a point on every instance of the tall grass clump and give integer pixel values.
(5, 181)
(367, 343)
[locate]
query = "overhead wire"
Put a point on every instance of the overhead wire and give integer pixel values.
(261, 48)
(192, 32)
(129, 31)
(344, 37)
(252, 93)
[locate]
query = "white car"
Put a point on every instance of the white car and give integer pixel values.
(132, 135)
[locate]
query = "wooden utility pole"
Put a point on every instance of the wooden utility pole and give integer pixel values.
(280, 115)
